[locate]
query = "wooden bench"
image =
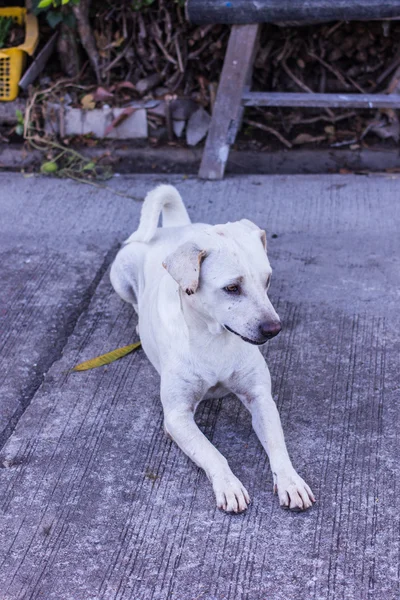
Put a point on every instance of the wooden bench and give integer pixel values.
(234, 90)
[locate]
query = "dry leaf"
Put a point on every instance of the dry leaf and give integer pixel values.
(306, 138)
(101, 94)
(88, 102)
(106, 359)
(119, 40)
(101, 43)
(123, 85)
(384, 129)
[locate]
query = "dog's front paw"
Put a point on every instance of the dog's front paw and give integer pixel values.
(231, 495)
(292, 490)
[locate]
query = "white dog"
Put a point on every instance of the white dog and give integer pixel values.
(201, 295)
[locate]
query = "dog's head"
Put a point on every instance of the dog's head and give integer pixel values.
(225, 276)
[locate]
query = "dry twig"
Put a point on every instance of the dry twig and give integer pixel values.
(268, 129)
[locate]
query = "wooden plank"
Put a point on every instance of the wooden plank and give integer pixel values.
(39, 63)
(228, 108)
(321, 100)
(273, 11)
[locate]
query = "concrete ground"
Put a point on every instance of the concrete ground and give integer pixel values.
(97, 504)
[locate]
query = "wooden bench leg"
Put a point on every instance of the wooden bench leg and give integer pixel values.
(228, 110)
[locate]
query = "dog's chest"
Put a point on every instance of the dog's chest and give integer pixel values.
(217, 391)
(215, 366)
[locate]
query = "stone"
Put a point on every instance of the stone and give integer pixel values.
(147, 83)
(81, 122)
(178, 127)
(78, 121)
(8, 111)
(197, 126)
(182, 108)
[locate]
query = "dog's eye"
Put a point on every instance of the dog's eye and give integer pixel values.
(268, 282)
(232, 289)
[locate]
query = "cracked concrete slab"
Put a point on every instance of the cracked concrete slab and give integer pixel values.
(53, 254)
(98, 504)
(42, 295)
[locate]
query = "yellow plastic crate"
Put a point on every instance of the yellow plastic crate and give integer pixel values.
(12, 60)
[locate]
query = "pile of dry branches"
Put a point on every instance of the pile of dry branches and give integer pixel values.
(148, 49)
(157, 47)
(355, 57)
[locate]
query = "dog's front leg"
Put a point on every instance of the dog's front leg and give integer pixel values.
(293, 492)
(179, 399)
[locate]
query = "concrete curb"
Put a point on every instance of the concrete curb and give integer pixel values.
(133, 158)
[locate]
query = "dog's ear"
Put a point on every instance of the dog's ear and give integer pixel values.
(263, 238)
(184, 266)
(260, 232)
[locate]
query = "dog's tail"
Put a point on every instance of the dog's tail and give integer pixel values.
(165, 199)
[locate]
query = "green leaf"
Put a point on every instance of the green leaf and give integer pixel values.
(44, 3)
(106, 359)
(69, 20)
(49, 167)
(19, 130)
(54, 18)
(89, 166)
(5, 24)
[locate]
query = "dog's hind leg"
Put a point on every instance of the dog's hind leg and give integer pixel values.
(179, 399)
(125, 291)
(123, 274)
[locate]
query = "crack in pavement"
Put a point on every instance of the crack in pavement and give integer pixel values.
(55, 352)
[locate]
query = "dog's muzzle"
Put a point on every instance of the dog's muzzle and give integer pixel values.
(270, 330)
(267, 331)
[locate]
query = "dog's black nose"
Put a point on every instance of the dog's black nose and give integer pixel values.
(270, 329)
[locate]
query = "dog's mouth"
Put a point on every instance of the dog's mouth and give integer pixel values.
(245, 339)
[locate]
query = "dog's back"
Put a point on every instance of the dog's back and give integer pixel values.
(126, 272)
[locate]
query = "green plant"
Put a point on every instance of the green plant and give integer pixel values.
(5, 24)
(57, 11)
(140, 4)
(19, 130)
